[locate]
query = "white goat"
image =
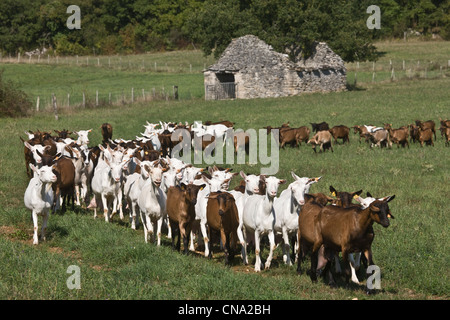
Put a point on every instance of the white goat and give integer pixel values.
(286, 209)
(39, 197)
(259, 217)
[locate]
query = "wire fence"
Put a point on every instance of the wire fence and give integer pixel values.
(392, 70)
(104, 98)
(142, 63)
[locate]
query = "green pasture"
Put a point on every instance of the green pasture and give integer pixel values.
(115, 262)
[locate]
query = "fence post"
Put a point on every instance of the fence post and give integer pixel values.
(175, 92)
(68, 100)
(109, 98)
(84, 100)
(143, 94)
(37, 103)
(18, 58)
(132, 95)
(155, 67)
(55, 107)
(96, 98)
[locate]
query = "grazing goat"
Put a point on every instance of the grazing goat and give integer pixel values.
(398, 136)
(323, 140)
(316, 127)
(425, 136)
(258, 217)
(294, 136)
(427, 125)
(379, 138)
(222, 215)
(447, 136)
(362, 131)
(39, 197)
(340, 132)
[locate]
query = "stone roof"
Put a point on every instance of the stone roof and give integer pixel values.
(249, 51)
(322, 57)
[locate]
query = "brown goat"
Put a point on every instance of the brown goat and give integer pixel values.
(323, 140)
(107, 132)
(344, 230)
(425, 135)
(447, 136)
(427, 125)
(316, 127)
(65, 183)
(294, 136)
(306, 217)
(340, 132)
(379, 138)
(222, 215)
(344, 199)
(398, 136)
(362, 131)
(241, 140)
(226, 123)
(180, 207)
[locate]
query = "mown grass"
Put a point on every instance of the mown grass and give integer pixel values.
(116, 263)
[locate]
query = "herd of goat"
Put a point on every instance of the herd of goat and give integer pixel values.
(140, 177)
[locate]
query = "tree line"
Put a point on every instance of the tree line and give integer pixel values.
(136, 26)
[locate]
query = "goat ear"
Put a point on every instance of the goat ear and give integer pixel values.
(33, 168)
(369, 195)
(374, 208)
(27, 145)
(296, 177)
(282, 181)
(243, 175)
(390, 198)
(357, 192)
(202, 186)
(213, 196)
(182, 186)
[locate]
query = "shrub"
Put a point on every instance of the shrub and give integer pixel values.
(13, 102)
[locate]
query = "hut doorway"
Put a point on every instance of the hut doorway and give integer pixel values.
(225, 87)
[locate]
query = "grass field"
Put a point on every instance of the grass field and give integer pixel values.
(115, 262)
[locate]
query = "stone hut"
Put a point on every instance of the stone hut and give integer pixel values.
(250, 68)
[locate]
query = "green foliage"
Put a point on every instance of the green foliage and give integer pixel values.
(13, 102)
(136, 26)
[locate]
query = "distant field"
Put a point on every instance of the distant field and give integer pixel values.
(115, 263)
(114, 77)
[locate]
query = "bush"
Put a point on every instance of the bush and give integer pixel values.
(13, 102)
